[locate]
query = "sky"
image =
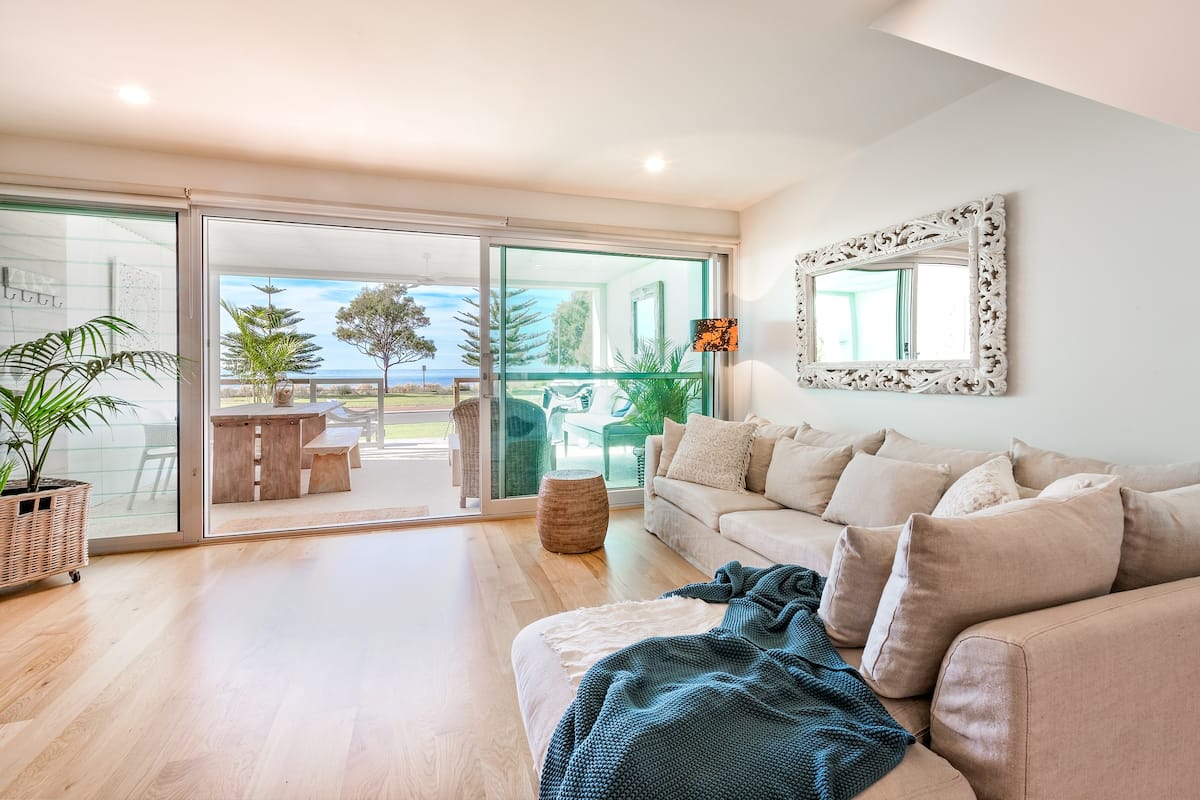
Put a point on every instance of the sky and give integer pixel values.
(318, 301)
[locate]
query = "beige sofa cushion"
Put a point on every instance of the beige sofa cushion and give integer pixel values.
(672, 436)
(713, 452)
(1162, 537)
(1158, 477)
(954, 572)
(989, 484)
(770, 430)
(874, 491)
(902, 448)
(784, 537)
(706, 503)
(858, 571)
(1038, 468)
(860, 442)
(762, 449)
(803, 476)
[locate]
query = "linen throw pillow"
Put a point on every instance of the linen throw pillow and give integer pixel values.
(672, 436)
(764, 427)
(1162, 537)
(860, 442)
(861, 565)
(953, 572)
(1038, 468)
(762, 449)
(713, 453)
(902, 448)
(803, 477)
(989, 484)
(875, 491)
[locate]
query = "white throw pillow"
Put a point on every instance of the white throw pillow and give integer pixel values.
(874, 492)
(954, 572)
(803, 477)
(713, 453)
(989, 484)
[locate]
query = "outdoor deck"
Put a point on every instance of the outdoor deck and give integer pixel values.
(405, 479)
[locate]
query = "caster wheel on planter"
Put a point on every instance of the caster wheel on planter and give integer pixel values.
(75, 576)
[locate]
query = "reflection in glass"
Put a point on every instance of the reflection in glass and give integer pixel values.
(903, 309)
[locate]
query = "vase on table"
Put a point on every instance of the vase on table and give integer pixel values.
(282, 392)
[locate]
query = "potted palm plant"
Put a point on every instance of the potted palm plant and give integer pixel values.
(52, 386)
(654, 399)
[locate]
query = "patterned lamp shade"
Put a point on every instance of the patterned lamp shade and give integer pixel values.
(718, 335)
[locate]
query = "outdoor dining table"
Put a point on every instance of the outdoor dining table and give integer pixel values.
(283, 432)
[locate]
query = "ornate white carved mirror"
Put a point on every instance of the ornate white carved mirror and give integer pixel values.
(916, 307)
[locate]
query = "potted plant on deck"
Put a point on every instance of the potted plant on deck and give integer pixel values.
(653, 399)
(51, 384)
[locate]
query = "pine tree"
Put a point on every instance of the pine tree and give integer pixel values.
(521, 346)
(265, 343)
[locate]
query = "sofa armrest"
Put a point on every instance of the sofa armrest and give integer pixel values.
(1090, 700)
(654, 446)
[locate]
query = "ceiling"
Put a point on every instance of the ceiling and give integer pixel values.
(740, 99)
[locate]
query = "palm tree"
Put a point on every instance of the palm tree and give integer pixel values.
(654, 399)
(257, 354)
(56, 376)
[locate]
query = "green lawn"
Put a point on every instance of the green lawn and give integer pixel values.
(391, 402)
(416, 430)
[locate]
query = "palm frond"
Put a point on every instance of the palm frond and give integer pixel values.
(56, 374)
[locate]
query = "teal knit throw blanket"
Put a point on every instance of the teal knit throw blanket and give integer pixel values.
(761, 707)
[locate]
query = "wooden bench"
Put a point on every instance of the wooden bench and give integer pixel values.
(333, 453)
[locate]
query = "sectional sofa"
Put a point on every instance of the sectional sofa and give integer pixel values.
(1065, 689)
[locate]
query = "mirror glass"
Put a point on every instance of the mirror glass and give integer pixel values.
(647, 313)
(899, 309)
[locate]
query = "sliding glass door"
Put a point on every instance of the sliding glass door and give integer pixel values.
(589, 350)
(62, 266)
(367, 331)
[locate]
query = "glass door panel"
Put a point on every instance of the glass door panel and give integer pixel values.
(371, 329)
(64, 266)
(591, 351)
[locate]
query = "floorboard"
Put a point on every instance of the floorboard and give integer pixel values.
(355, 667)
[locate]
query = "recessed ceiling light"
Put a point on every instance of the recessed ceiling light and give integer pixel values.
(655, 164)
(134, 95)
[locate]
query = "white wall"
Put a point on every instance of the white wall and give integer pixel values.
(98, 163)
(1103, 282)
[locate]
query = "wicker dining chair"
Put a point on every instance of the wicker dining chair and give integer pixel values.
(527, 454)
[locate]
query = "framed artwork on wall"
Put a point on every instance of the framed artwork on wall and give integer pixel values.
(136, 297)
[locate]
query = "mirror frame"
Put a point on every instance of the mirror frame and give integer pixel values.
(982, 224)
(649, 292)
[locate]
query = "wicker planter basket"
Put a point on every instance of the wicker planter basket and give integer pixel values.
(43, 533)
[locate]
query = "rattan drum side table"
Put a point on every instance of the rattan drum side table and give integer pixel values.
(572, 511)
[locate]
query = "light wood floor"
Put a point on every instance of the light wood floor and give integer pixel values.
(366, 666)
